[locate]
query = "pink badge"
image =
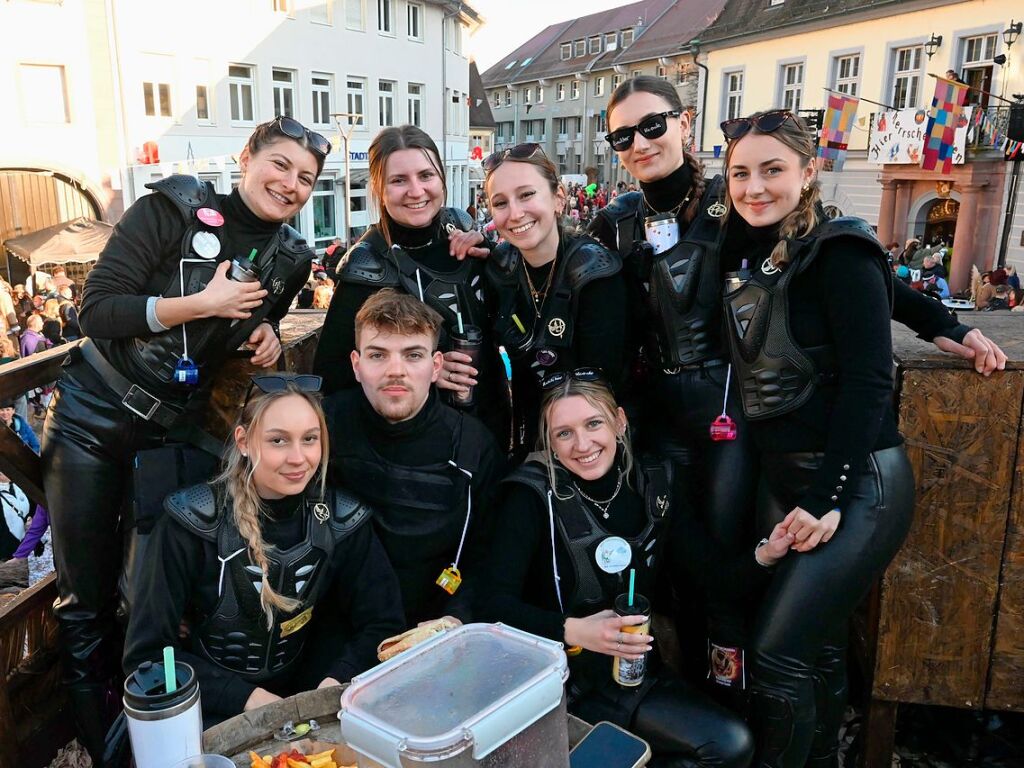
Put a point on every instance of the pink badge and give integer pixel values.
(723, 428)
(210, 217)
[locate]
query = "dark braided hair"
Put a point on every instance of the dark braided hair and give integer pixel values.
(666, 91)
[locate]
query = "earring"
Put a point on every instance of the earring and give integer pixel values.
(245, 455)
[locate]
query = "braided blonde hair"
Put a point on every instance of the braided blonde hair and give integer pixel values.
(235, 481)
(801, 221)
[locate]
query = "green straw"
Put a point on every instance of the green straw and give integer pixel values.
(632, 582)
(170, 679)
(252, 255)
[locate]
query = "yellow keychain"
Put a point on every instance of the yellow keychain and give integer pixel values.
(450, 579)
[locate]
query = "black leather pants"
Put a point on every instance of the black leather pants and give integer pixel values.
(684, 727)
(798, 654)
(720, 479)
(88, 443)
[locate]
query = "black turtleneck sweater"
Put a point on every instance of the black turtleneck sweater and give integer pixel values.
(141, 259)
(839, 301)
(430, 439)
(520, 586)
(180, 582)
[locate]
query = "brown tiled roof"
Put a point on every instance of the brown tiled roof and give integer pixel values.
(742, 18)
(479, 107)
(666, 25)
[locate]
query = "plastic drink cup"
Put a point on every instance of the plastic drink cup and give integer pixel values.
(469, 342)
(627, 672)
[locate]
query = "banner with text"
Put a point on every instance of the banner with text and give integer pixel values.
(897, 137)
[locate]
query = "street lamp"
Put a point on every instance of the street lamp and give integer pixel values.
(1011, 33)
(693, 47)
(346, 134)
(933, 45)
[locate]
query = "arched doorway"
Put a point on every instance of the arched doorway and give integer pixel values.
(940, 221)
(32, 199)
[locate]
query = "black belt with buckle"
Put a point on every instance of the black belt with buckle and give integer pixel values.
(716, 363)
(133, 397)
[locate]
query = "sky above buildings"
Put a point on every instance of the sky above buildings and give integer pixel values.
(510, 23)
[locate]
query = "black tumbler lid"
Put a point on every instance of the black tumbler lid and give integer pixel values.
(145, 691)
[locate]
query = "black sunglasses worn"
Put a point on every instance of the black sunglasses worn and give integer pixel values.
(518, 152)
(277, 382)
(587, 373)
(766, 122)
(292, 128)
(651, 127)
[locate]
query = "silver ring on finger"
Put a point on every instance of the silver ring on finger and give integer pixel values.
(621, 638)
(618, 645)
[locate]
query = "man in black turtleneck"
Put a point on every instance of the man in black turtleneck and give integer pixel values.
(429, 471)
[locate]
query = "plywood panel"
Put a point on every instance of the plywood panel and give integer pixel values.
(935, 630)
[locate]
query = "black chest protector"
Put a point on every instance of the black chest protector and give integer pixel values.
(545, 333)
(681, 285)
(371, 263)
(582, 534)
(210, 339)
(774, 373)
(234, 634)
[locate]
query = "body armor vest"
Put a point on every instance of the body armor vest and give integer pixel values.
(370, 262)
(235, 634)
(775, 375)
(681, 285)
(209, 338)
(581, 533)
(547, 331)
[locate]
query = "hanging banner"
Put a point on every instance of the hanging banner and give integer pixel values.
(835, 131)
(897, 137)
(944, 118)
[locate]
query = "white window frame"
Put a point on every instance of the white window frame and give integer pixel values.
(415, 103)
(508, 98)
(579, 48)
(560, 92)
(611, 41)
(281, 89)
(328, 190)
(208, 97)
(326, 17)
(791, 90)
(732, 93)
(627, 36)
(911, 74)
(237, 88)
(574, 89)
(31, 75)
(415, 14)
(386, 103)
(593, 45)
(565, 51)
(162, 97)
(497, 99)
(540, 94)
(351, 7)
(846, 71)
(356, 100)
(386, 17)
(526, 94)
(322, 98)
(661, 72)
(617, 81)
(599, 86)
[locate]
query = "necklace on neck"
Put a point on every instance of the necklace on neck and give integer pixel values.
(539, 295)
(674, 211)
(602, 506)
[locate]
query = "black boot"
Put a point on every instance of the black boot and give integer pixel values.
(90, 705)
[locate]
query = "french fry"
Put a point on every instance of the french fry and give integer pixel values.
(320, 762)
(320, 755)
(297, 763)
(257, 761)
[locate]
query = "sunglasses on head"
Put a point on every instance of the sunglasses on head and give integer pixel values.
(268, 383)
(292, 128)
(587, 373)
(651, 127)
(518, 152)
(766, 122)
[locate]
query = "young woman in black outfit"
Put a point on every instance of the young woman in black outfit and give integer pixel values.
(683, 346)
(407, 249)
(815, 377)
(272, 554)
(559, 298)
(162, 314)
(575, 517)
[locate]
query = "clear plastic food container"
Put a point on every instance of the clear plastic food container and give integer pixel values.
(479, 695)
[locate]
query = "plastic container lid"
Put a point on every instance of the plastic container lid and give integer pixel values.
(478, 685)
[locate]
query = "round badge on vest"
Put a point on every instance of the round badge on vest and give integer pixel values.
(547, 357)
(210, 217)
(556, 327)
(613, 555)
(206, 245)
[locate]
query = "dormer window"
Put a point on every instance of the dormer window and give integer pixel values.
(580, 48)
(627, 38)
(566, 51)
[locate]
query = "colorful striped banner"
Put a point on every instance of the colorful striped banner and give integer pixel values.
(943, 119)
(835, 131)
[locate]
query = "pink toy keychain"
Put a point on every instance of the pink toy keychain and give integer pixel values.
(723, 427)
